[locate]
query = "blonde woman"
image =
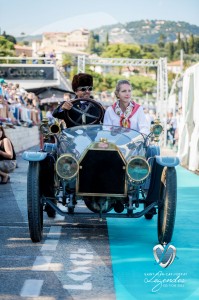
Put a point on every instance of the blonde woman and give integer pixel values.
(126, 112)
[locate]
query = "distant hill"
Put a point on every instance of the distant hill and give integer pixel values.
(146, 31)
(29, 38)
(141, 32)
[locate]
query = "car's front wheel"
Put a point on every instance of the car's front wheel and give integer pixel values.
(34, 202)
(167, 205)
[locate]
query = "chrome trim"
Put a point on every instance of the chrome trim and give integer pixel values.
(101, 195)
(67, 155)
(141, 158)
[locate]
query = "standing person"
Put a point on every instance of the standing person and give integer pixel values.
(53, 56)
(7, 157)
(82, 85)
(125, 112)
(171, 128)
(23, 55)
(49, 115)
(43, 55)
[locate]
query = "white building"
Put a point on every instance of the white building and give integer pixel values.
(76, 39)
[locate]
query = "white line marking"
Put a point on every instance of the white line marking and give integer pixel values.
(85, 286)
(42, 263)
(78, 277)
(80, 263)
(55, 231)
(81, 269)
(49, 245)
(83, 256)
(31, 288)
(81, 250)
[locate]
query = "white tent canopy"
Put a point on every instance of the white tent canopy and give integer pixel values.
(51, 100)
(189, 130)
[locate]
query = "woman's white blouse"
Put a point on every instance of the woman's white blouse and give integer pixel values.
(138, 121)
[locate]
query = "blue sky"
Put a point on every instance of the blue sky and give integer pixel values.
(37, 16)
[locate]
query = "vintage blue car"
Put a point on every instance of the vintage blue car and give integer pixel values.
(114, 170)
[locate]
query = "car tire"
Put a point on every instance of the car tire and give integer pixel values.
(167, 205)
(34, 202)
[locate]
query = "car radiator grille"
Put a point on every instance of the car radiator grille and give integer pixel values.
(102, 172)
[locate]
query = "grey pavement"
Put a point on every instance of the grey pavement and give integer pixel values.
(50, 263)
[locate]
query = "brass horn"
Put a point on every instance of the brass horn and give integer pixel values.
(54, 128)
(49, 129)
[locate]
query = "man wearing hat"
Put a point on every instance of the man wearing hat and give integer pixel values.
(82, 85)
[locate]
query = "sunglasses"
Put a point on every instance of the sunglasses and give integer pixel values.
(85, 88)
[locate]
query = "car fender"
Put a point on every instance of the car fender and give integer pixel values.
(152, 151)
(34, 156)
(167, 161)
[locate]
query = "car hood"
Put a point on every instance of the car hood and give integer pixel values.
(76, 140)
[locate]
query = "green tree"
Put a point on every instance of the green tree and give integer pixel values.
(91, 43)
(179, 41)
(99, 48)
(10, 38)
(6, 47)
(107, 40)
(143, 84)
(191, 44)
(186, 46)
(67, 62)
(161, 40)
(197, 45)
(150, 51)
(122, 50)
(171, 50)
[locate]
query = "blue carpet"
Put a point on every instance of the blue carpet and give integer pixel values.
(136, 273)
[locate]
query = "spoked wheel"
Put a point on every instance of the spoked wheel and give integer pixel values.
(167, 205)
(34, 202)
(85, 112)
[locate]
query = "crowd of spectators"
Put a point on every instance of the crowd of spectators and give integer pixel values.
(17, 106)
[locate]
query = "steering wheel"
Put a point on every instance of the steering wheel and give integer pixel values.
(85, 112)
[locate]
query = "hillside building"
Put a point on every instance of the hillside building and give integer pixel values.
(76, 39)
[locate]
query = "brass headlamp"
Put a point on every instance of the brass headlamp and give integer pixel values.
(157, 130)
